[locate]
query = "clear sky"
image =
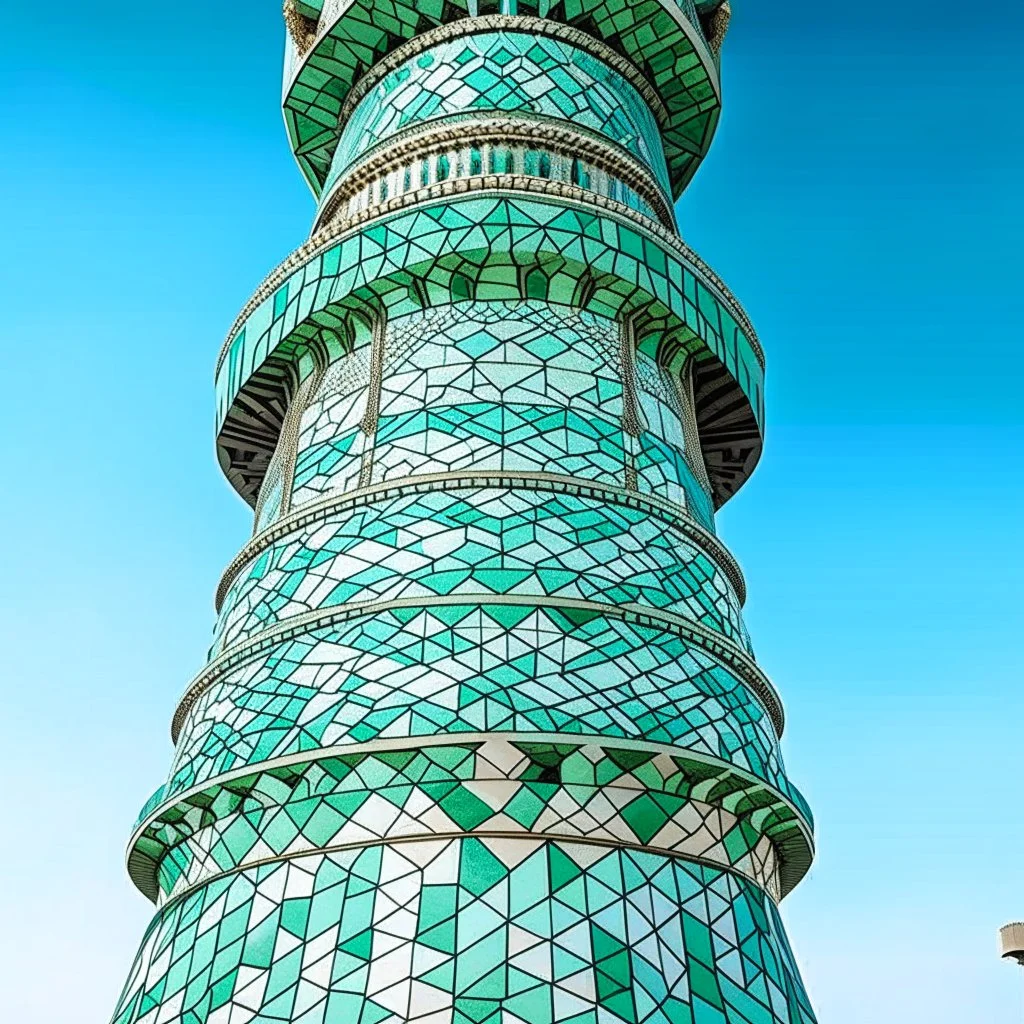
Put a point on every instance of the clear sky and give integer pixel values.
(864, 201)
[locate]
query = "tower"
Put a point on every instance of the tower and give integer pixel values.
(481, 738)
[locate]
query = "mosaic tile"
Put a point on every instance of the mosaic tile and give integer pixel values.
(470, 930)
(485, 541)
(510, 73)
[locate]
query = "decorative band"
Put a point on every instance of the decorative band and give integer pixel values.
(505, 183)
(512, 786)
(709, 641)
(336, 232)
(315, 512)
(467, 130)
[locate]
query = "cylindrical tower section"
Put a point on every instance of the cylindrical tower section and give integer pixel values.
(556, 107)
(482, 738)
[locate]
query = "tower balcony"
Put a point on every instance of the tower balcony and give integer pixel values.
(651, 798)
(485, 239)
(334, 43)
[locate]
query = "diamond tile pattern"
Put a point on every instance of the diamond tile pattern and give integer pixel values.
(481, 738)
(611, 796)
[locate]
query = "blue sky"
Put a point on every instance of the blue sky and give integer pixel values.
(864, 201)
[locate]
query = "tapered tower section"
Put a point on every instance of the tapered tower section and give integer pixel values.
(481, 739)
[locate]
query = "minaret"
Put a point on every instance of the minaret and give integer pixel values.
(481, 738)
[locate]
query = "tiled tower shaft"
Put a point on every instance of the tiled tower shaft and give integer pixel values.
(482, 739)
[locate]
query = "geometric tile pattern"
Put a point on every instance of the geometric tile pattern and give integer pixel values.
(497, 248)
(481, 738)
(663, 38)
(469, 931)
(484, 541)
(513, 386)
(504, 72)
(470, 668)
(635, 796)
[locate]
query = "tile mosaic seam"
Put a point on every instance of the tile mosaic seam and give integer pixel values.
(429, 837)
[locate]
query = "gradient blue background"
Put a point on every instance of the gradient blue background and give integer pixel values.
(864, 200)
